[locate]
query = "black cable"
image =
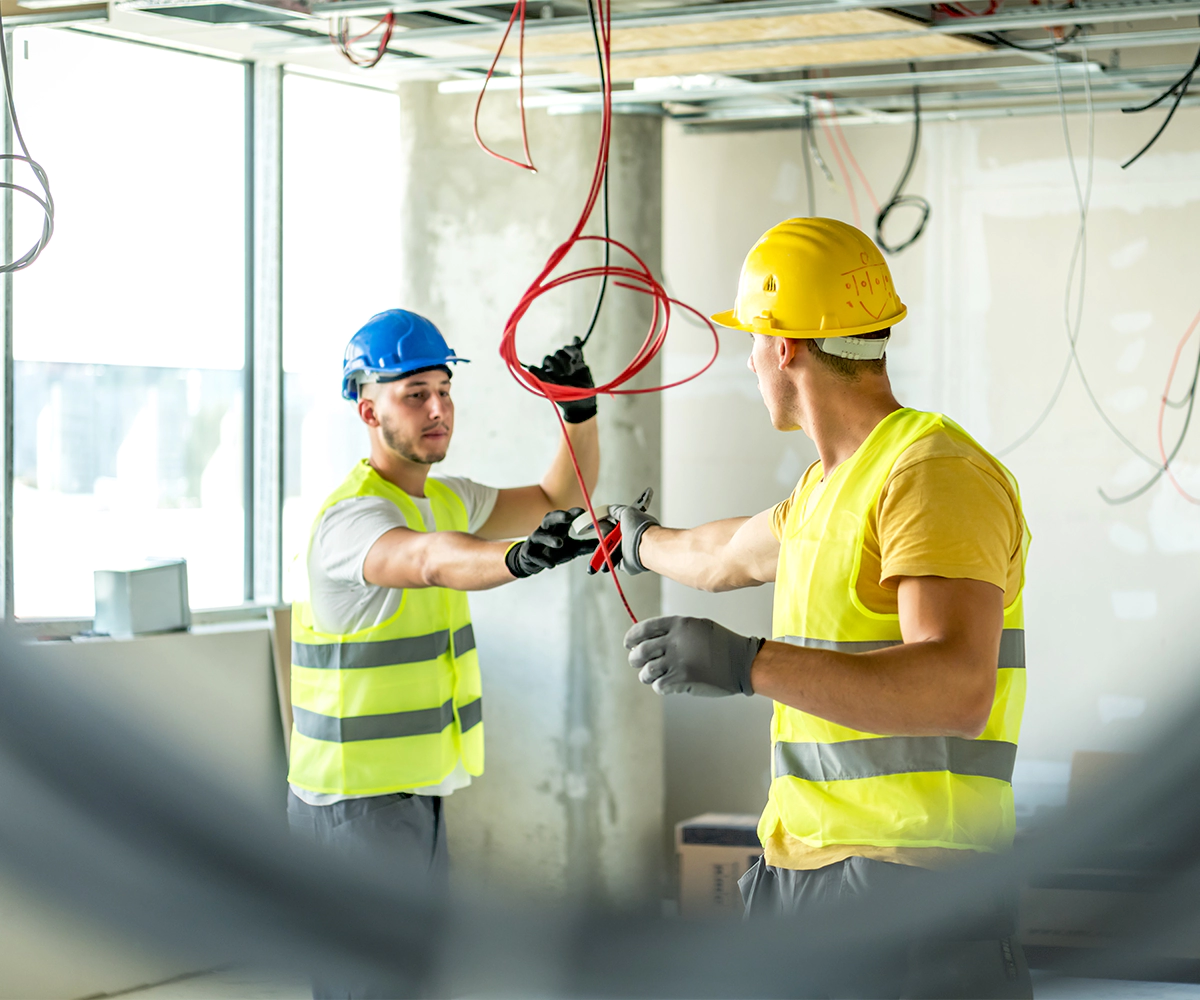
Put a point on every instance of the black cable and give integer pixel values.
(607, 246)
(1189, 400)
(999, 39)
(898, 198)
(45, 200)
(1179, 88)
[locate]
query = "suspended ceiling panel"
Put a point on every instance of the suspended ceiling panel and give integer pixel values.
(768, 43)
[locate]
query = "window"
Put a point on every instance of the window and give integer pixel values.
(341, 262)
(129, 332)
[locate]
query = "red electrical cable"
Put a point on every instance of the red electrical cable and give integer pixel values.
(635, 276)
(850, 155)
(1162, 409)
(841, 165)
(518, 11)
(343, 41)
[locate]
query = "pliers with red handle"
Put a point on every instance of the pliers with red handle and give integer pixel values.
(582, 528)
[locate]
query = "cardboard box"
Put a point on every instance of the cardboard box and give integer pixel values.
(715, 850)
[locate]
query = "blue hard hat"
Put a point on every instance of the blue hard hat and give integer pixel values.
(394, 343)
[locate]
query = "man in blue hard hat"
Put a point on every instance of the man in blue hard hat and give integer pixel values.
(385, 681)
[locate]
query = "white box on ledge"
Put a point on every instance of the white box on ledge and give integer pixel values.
(149, 597)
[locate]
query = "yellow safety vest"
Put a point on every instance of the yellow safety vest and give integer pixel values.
(394, 706)
(836, 785)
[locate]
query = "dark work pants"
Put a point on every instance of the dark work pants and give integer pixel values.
(409, 828)
(986, 963)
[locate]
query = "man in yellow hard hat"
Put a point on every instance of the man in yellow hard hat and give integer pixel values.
(897, 667)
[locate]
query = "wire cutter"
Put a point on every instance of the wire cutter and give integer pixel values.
(583, 529)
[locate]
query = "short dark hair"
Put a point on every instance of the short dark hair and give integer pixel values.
(851, 369)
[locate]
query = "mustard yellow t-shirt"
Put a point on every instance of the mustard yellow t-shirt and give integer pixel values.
(945, 510)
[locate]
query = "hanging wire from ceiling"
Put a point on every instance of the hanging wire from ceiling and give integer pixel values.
(1188, 401)
(591, 5)
(517, 15)
(1078, 265)
(1179, 88)
(635, 276)
(899, 199)
(837, 156)
(837, 128)
(339, 34)
(44, 200)
(806, 142)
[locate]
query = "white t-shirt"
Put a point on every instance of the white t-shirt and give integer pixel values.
(342, 601)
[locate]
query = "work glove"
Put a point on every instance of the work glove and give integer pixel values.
(550, 545)
(677, 655)
(567, 367)
(634, 523)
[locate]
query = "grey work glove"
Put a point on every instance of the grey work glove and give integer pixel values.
(634, 523)
(677, 655)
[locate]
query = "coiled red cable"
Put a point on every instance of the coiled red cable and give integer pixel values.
(634, 276)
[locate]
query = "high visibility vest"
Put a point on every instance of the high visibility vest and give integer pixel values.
(835, 785)
(397, 705)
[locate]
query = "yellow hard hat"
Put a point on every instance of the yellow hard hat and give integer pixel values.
(811, 279)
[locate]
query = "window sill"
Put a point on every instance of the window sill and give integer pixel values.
(246, 617)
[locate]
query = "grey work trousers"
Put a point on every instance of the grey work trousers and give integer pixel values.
(409, 828)
(986, 962)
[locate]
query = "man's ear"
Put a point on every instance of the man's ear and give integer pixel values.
(366, 411)
(785, 351)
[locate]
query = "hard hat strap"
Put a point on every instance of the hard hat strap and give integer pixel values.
(853, 348)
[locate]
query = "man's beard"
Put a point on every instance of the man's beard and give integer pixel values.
(406, 448)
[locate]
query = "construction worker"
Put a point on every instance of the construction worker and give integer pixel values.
(385, 678)
(897, 667)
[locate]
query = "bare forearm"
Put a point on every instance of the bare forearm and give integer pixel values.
(695, 557)
(448, 559)
(560, 483)
(915, 689)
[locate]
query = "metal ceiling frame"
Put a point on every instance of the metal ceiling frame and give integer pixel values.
(1094, 12)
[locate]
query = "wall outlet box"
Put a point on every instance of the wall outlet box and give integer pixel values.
(150, 597)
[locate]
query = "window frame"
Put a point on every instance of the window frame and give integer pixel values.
(262, 370)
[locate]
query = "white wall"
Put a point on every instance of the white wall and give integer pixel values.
(1111, 590)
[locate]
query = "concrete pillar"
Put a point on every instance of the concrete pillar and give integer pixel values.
(572, 801)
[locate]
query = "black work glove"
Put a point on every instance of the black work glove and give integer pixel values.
(550, 545)
(677, 655)
(567, 367)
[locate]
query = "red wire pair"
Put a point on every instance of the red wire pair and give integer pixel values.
(518, 11)
(958, 10)
(833, 144)
(635, 276)
(1162, 410)
(343, 41)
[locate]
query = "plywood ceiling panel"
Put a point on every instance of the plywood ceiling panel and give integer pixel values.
(913, 42)
(775, 57)
(723, 31)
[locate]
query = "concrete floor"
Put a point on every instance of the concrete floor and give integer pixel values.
(245, 985)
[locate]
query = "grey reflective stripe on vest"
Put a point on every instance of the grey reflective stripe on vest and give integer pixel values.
(470, 714)
(464, 640)
(422, 722)
(354, 655)
(1012, 646)
(885, 755)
